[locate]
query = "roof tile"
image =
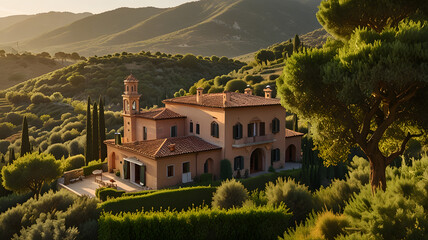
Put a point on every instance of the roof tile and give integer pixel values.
(160, 113)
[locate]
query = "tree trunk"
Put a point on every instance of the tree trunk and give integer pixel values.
(377, 171)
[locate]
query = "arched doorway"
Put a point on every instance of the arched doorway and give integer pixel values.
(208, 166)
(290, 153)
(256, 162)
(112, 161)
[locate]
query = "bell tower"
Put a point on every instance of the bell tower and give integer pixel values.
(131, 107)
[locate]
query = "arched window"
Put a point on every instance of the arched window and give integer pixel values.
(275, 125)
(237, 131)
(214, 129)
(134, 105)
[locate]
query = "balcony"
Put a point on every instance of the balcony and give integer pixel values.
(251, 141)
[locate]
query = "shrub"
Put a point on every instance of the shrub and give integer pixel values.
(55, 138)
(56, 97)
(76, 80)
(74, 162)
(17, 97)
(107, 193)
(295, 196)
(189, 60)
(253, 79)
(235, 85)
(215, 89)
(206, 177)
(45, 117)
(4, 145)
(243, 223)
(259, 183)
(58, 150)
(65, 116)
(70, 135)
(12, 200)
(6, 129)
(75, 148)
(221, 80)
(88, 169)
(47, 228)
(335, 196)
(225, 169)
(230, 194)
(38, 98)
(178, 199)
(14, 118)
(328, 226)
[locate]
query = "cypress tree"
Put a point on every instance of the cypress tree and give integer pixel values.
(88, 148)
(295, 123)
(296, 43)
(95, 139)
(25, 141)
(11, 155)
(102, 131)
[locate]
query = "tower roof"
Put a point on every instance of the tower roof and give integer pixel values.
(131, 78)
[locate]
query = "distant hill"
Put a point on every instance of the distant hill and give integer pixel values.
(34, 25)
(10, 20)
(15, 69)
(206, 27)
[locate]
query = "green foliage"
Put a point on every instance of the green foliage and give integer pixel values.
(189, 60)
(47, 228)
(95, 134)
(295, 196)
(38, 98)
(11, 200)
(73, 162)
(235, 85)
(178, 199)
(58, 150)
(328, 225)
(88, 144)
(206, 177)
(258, 183)
(102, 131)
(263, 56)
(76, 80)
(107, 193)
(17, 97)
(88, 169)
(230, 194)
(21, 175)
(6, 129)
(200, 223)
(55, 138)
(225, 169)
(341, 18)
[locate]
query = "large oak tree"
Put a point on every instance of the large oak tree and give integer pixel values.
(370, 91)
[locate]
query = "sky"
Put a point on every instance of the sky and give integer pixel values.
(18, 7)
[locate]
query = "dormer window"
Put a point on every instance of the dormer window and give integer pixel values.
(214, 129)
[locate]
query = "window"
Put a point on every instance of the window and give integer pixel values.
(214, 129)
(238, 163)
(275, 155)
(197, 128)
(237, 131)
(144, 133)
(262, 129)
(170, 171)
(127, 88)
(206, 167)
(186, 167)
(174, 131)
(252, 129)
(191, 127)
(275, 125)
(134, 105)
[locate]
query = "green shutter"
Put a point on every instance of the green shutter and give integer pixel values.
(125, 170)
(143, 175)
(278, 155)
(272, 156)
(242, 162)
(235, 164)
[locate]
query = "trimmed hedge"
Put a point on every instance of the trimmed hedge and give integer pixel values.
(202, 223)
(88, 169)
(259, 182)
(105, 193)
(178, 199)
(144, 192)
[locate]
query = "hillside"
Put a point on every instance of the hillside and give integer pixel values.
(206, 27)
(34, 25)
(18, 68)
(10, 20)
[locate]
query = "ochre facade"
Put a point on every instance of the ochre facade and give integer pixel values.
(192, 134)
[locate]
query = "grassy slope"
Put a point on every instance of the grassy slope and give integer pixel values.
(38, 24)
(220, 27)
(16, 69)
(10, 20)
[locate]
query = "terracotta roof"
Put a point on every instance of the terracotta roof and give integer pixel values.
(159, 148)
(160, 113)
(215, 100)
(291, 133)
(131, 78)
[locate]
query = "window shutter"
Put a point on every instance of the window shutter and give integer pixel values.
(239, 131)
(125, 170)
(235, 164)
(143, 175)
(235, 132)
(278, 155)
(242, 163)
(191, 127)
(217, 130)
(272, 156)
(212, 129)
(262, 129)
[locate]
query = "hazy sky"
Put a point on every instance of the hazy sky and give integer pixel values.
(17, 7)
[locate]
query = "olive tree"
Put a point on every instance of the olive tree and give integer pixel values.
(30, 173)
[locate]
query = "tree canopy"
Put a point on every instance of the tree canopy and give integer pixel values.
(341, 17)
(370, 91)
(31, 172)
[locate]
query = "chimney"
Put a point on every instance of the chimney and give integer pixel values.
(226, 97)
(171, 147)
(199, 95)
(117, 139)
(268, 92)
(248, 90)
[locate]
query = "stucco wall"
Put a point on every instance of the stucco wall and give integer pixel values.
(297, 142)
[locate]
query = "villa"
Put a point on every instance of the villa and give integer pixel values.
(192, 134)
